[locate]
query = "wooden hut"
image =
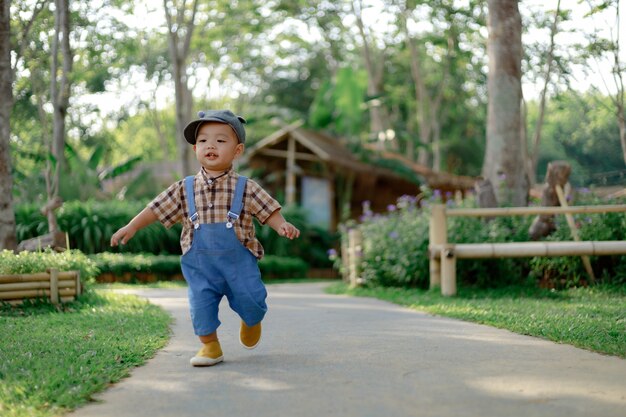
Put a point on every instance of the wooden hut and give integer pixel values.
(318, 172)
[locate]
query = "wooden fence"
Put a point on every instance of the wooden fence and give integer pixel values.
(443, 254)
(54, 285)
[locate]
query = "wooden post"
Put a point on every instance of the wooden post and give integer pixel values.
(574, 230)
(438, 236)
(290, 186)
(79, 289)
(345, 258)
(354, 238)
(448, 271)
(557, 174)
(54, 286)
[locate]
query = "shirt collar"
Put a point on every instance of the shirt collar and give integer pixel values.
(211, 180)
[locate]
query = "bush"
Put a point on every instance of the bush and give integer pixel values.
(562, 272)
(32, 262)
(312, 245)
(272, 266)
(120, 264)
(91, 224)
(166, 266)
(395, 247)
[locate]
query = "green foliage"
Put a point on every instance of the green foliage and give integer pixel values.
(311, 246)
(395, 248)
(53, 360)
(564, 272)
(91, 224)
(272, 266)
(341, 102)
(164, 266)
(119, 264)
(582, 130)
(31, 262)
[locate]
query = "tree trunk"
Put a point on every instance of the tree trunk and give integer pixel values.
(503, 164)
(8, 239)
(557, 174)
(378, 116)
(622, 128)
(60, 98)
(179, 53)
(534, 155)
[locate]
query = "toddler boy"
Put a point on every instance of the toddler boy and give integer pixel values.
(220, 250)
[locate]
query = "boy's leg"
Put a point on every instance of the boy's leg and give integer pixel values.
(209, 338)
(210, 353)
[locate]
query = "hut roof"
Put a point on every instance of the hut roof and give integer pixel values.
(319, 147)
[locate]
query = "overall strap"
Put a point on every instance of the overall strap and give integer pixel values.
(191, 203)
(237, 204)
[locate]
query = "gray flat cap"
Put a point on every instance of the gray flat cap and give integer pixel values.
(220, 116)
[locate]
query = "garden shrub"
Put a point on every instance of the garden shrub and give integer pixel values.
(164, 267)
(32, 262)
(562, 272)
(395, 247)
(90, 226)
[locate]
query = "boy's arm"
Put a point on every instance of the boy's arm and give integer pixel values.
(145, 218)
(277, 222)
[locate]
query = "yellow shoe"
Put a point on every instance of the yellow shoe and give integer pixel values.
(210, 354)
(250, 336)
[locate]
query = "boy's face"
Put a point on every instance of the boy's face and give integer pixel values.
(217, 147)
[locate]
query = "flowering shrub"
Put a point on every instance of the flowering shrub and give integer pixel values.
(560, 272)
(395, 246)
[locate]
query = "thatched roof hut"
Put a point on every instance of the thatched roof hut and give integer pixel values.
(315, 170)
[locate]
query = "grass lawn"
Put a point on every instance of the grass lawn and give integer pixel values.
(589, 318)
(52, 360)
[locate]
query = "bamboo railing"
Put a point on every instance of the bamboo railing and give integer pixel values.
(443, 254)
(54, 285)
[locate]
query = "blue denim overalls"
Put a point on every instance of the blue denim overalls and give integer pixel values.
(219, 264)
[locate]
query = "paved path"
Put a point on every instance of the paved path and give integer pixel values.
(324, 355)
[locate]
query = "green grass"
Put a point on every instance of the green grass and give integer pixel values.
(589, 318)
(53, 359)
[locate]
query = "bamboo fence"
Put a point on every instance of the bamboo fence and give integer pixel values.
(443, 254)
(53, 285)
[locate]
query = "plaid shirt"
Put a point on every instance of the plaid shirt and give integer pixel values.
(213, 198)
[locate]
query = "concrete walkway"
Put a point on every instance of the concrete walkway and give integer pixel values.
(324, 355)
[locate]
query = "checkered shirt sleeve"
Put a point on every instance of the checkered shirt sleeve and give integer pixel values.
(168, 206)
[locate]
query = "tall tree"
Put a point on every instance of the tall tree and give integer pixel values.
(8, 239)
(504, 164)
(60, 87)
(609, 48)
(549, 65)
(180, 27)
(374, 60)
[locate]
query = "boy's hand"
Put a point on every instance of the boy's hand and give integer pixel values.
(124, 234)
(289, 231)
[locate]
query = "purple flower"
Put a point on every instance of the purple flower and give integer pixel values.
(448, 194)
(391, 207)
(437, 193)
(332, 252)
(394, 235)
